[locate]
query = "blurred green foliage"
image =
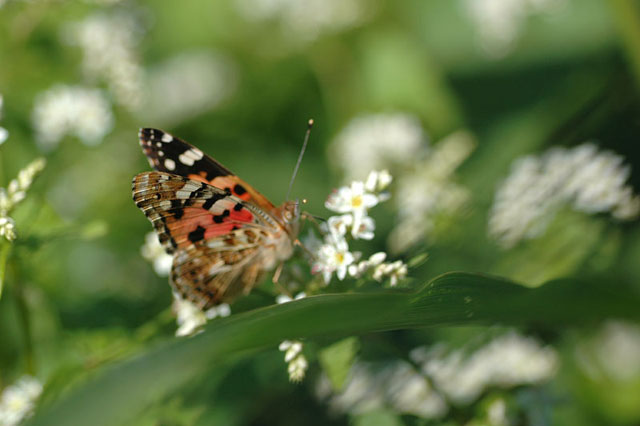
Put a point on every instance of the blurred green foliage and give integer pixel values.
(78, 297)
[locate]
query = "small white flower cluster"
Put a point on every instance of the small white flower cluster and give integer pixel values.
(108, 44)
(354, 201)
(372, 386)
(584, 178)
(457, 377)
(4, 133)
(153, 251)
(61, 110)
(18, 401)
(378, 141)
(500, 22)
(307, 20)
(430, 193)
(506, 361)
(194, 81)
(294, 357)
(190, 318)
(395, 271)
(15, 192)
(293, 348)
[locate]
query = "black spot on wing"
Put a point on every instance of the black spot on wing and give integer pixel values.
(239, 189)
(238, 207)
(219, 218)
(197, 235)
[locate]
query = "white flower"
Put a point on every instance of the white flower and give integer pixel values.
(377, 141)
(194, 82)
(378, 181)
(500, 22)
(584, 178)
(352, 199)
(395, 385)
(75, 110)
(16, 191)
(395, 271)
(431, 192)
(7, 228)
(359, 269)
(507, 361)
(153, 251)
(293, 356)
(283, 298)
(302, 22)
(339, 225)
(17, 401)
(333, 256)
(190, 318)
(108, 45)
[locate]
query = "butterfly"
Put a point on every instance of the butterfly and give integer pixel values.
(223, 234)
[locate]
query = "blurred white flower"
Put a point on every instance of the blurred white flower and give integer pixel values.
(499, 23)
(283, 298)
(378, 181)
(4, 133)
(584, 178)
(612, 354)
(188, 84)
(15, 192)
(61, 110)
(304, 21)
(380, 269)
(190, 318)
(108, 43)
(333, 256)
(153, 251)
(294, 357)
(430, 192)
(372, 386)
(377, 141)
(18, 401)
(395, 271)
(508, 360)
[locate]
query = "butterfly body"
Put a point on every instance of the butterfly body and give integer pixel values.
(224, 234)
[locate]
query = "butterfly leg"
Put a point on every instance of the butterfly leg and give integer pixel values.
(276, 280)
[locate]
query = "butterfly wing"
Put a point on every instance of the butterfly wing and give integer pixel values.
(167, 153)
(221, 244)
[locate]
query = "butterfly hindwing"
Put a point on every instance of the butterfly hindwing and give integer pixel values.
(167, 153)
(221, 244)
(185, 211)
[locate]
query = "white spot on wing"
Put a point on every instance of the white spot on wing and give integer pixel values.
(170, 164)
(167, 138)
(190, 156)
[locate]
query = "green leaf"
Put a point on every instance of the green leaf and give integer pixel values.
(451, 299)
(337, 359)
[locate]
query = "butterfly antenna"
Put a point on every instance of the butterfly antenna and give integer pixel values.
(304, 147)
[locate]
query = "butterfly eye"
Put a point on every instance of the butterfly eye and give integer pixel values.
(288, 216)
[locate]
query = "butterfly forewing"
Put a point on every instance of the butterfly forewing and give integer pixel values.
(167, 153)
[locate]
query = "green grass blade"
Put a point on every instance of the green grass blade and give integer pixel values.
(125, 389)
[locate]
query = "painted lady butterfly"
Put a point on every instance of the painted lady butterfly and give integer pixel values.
(223, 233)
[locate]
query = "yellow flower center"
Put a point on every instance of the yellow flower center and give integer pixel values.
(356, 201)
(339, 258)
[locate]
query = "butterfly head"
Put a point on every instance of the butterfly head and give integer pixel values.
(290, 214)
